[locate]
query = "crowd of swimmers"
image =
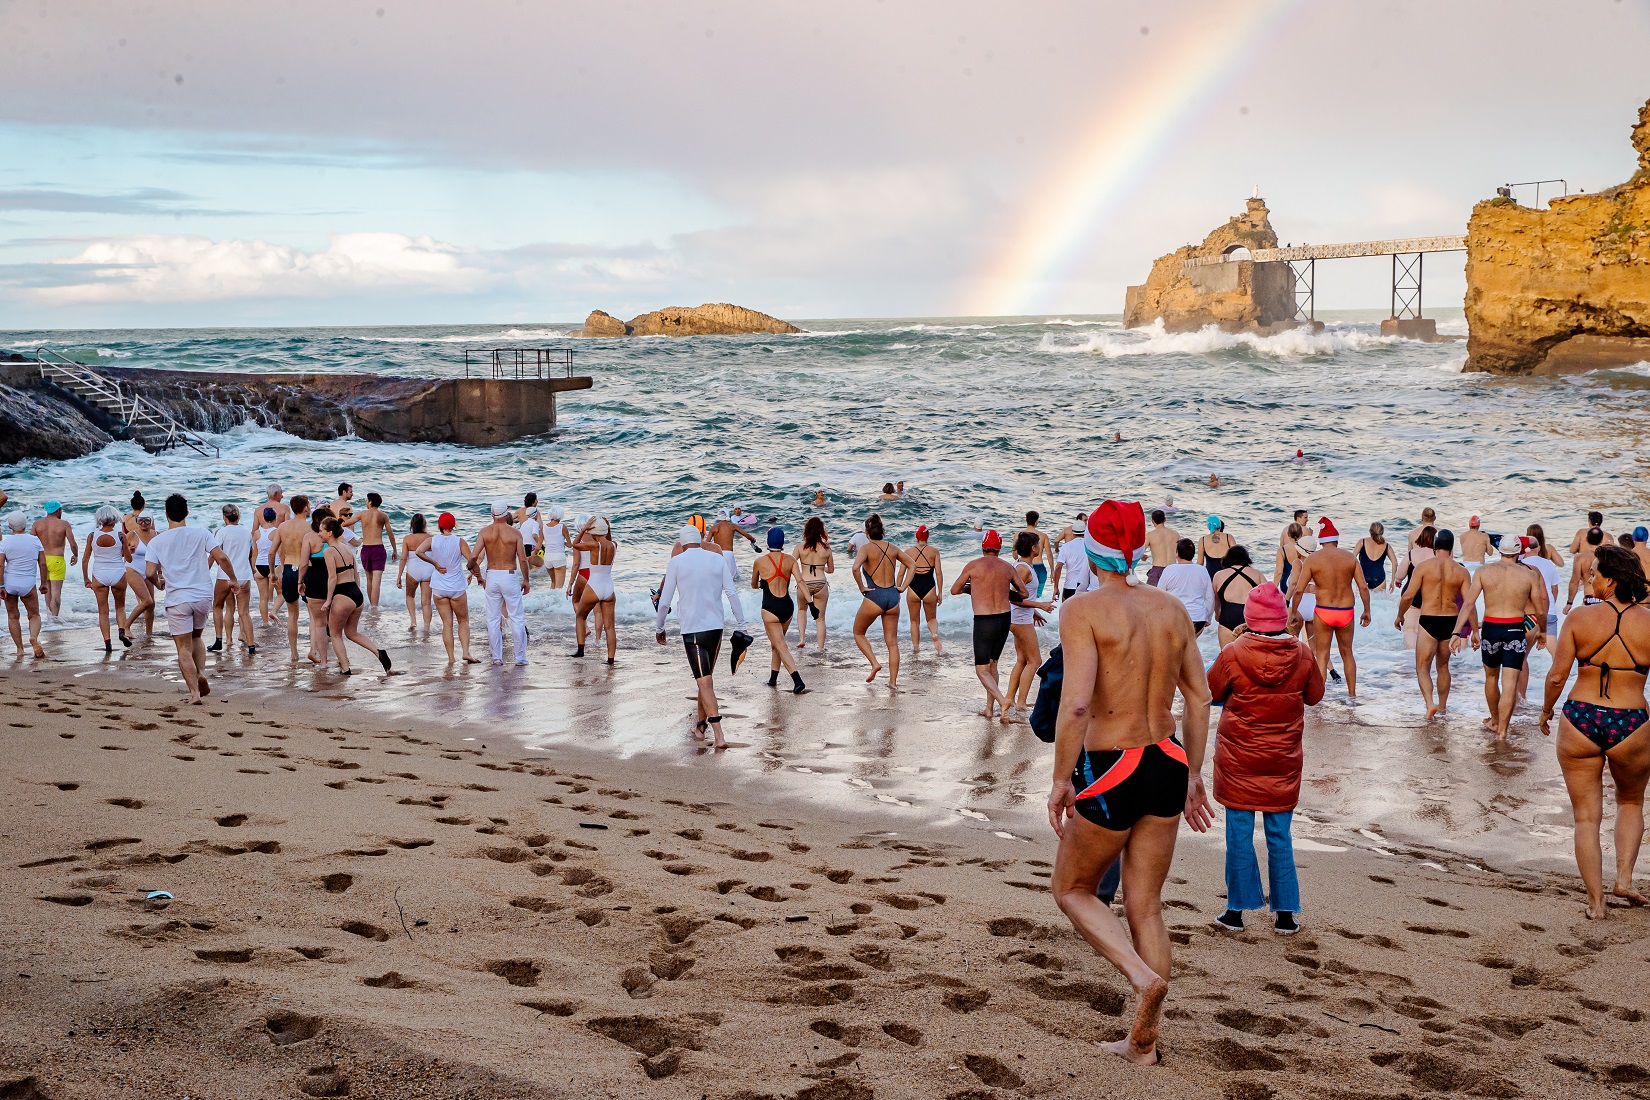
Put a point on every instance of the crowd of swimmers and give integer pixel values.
(1128, 645)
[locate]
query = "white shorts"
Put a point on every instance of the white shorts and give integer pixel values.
(109, 576)
(188, 618)
(1309, 606)
(15, 587)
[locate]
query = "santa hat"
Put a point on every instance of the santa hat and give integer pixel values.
(1116, 532)
(1327, 531)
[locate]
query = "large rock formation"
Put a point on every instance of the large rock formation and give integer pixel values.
(711, 319)
(1236, 296)
(1563, 289)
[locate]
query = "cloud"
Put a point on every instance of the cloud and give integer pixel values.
(140, 201)
(177, 268)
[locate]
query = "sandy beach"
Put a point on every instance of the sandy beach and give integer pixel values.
(368, 903)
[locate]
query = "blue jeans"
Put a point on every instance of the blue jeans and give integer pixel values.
(1243, 873)
(1111, 881)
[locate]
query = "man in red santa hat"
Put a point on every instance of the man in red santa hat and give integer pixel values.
(1331, 574)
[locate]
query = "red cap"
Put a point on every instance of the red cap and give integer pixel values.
(922, 533)
(1264, 609)
(1327, 531)
(1299, 453)
(1473, 522)
(992, 541)
(445, 521)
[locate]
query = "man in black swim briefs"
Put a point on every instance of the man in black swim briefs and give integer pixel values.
(289, 540)
(1121, 779)
(1434, 589)
(1511, 592)
(988, 580)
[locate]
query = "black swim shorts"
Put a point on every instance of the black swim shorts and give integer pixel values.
(702, 647)
(289, 583)
(1117, 787)
(1504, 644)
(990, 635)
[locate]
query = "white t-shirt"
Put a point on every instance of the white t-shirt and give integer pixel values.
(1190, 584)
(860, 539)
(183, 556)
(1549, 576)
(236, 543)
(22, 560)
(1076, 575)
(696, 580)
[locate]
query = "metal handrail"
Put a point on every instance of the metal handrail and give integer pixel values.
(134, 410)
(522, 363)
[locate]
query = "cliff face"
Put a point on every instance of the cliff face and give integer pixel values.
(711, 319)
(1235, 296)
(1564, 289)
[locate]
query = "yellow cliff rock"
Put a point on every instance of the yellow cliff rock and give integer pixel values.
(1240, 295)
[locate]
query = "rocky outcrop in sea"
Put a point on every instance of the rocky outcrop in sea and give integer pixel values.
(711, 319)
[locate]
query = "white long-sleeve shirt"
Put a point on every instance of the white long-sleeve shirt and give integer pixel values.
(695, 583)
(1190, 584)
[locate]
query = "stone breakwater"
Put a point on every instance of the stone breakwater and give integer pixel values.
(40, 420)
(711, 319)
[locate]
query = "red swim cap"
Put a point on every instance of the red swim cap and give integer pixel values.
(445, 521)
(992, 541)
(922, 533)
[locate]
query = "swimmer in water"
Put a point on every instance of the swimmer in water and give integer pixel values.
(925, 591)
(888, 491)
(773, 574)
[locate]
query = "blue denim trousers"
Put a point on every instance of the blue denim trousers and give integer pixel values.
(1243, 872)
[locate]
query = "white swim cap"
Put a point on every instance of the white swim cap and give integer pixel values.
(17, 521)
(689, 536)
(556, 512)
(723, 514)
(601, 526)
(579, 520)
(501, 508)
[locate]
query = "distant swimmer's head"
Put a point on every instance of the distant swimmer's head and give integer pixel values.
(723, 513)
(500, 508)
(1444, 541)
(776, 538)
(922, 533)
(888, 488)
(1113, 539)
(1264, 611)
(1641, 534)
(1327, 532)
(992, 543)
(445, 521)
(1473, 523)
(107, 516)
(689, 535)
(1214, 524)
(269, 515)
(698, 522)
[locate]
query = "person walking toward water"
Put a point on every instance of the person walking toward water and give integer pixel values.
(1511, 593)
(817, 564)
(415, 572)
(183, 556)
(988, 581)
(1121, 778)
(22, 564)
(1429, 518)
(56, 535)
(289, 542)
(1290, 555)
(1606, 721)
(1071, 564)
(103, 569)
(1232, 586)
(1595, 522)
(596, 541)
(1475, 545)
(135, 548)
(722, 533)
(1334, 574)
(1374, 554)
(454, 564)
(1435, 592)
(1263, 682)
(1042, 559)
(232, 599)
(695, 583)
(263, 551)
(772, 573)
(1024, 617)
(555, 547)
(344, 599)
(1191, 585)
(1213, 547)
(312, 584)
(1581, 567)
(879, 569)
(1161, 540)
(375, 525)
(506, 582)
(925, 590)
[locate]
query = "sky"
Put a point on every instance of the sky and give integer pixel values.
(333, 162)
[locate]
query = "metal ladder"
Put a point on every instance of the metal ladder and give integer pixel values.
(150, 426)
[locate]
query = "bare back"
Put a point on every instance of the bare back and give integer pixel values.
(1136, 645)
(289, 540)
(500, 545)
(1161, 542)
(988, 578)
(1510, 590)
(1438, 582)
(372, 526)
(53, 532)
(1335, 573)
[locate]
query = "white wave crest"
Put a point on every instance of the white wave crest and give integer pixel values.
(1153, 340)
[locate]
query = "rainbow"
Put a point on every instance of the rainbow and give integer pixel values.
(1062, 216)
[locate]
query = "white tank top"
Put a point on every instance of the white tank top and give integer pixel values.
(555, 540)
(443, 551)
(107, 557)
(266, 541)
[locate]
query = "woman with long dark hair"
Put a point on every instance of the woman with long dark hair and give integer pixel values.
(817, 564)
(415, 573)
(880, 570)
(1606, 720)
(344, 598)
(1232, 587)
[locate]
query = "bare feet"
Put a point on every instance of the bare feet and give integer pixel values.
(469, 660)
(1597, 910)
(1141, 1045)
(206, 688)
(1432, 712)
(874, 670)
(1124, 1048)
(38, 652)
(1632, 896)
(1488, 724)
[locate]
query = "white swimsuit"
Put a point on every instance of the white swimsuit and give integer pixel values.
(108, 566)
(444, 551)
(140, 558)
(601, 581)
(418, 569)
(1018, 615)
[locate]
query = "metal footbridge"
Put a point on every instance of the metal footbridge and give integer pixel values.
(147, 424)
(1406, 252)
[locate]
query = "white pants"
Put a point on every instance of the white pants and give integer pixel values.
(504, 593)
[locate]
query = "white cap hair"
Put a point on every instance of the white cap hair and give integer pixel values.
(274, 487)
(17, 521)
(107, 515)
(689, 536)
(501, 507)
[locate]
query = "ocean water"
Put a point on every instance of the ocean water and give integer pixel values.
(983, 418)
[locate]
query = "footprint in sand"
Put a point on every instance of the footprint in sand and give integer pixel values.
(518, 972)
(365, 931)
(392, 980)
(287, 1028)
(324, 1081)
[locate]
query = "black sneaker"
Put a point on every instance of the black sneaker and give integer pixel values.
(1231, 920)
(1286, 924)
(1334, 677)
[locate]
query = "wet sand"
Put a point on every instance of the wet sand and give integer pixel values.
(386, 885)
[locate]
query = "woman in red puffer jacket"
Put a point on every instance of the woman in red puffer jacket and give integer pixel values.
(1264, 680)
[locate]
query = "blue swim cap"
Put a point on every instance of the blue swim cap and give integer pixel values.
(776, 538)
(1214, 524)
(269, 515)
(52, 506)
(1641, 534)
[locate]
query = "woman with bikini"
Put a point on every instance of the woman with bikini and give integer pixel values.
(312, 582)
(1373, 554)
(344, 598)
(1023, 620)
(1606, 720)
(595, 544)
(817, 564)
(1232, 587)
(879, 569)
(772, 574)
(1213, 547)
(926, 590)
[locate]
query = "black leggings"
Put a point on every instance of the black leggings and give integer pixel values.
(702, 648)
(990, 635)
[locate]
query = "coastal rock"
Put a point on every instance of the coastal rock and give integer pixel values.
(32, 425)
(710, 319)
(1564, 289)
(604, 324)
(1237, 296)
